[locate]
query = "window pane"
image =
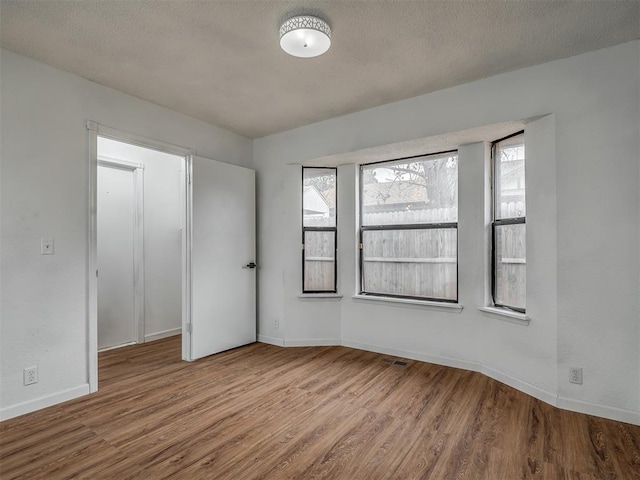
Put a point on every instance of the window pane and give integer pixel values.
(509, 178)
(415, 263)
(510, 265)
(319, 197)
(423, 190)
(319, 261)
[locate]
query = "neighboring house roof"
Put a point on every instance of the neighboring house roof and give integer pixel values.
(314, 203)
(329, 196)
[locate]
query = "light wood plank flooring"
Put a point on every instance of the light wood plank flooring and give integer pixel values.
(262, 412)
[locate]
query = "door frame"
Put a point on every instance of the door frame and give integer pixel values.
(187, 235)
(95, 129)
(137, 169)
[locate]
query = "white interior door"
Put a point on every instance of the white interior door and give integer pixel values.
(223, 284)
(115, 222)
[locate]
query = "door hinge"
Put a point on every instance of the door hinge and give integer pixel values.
(189, 177)
(189, 328)
(96, 273)
(360, 246)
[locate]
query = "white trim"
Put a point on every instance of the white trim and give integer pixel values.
(528, 388)
(313, 342)
(507, 315)
(43, 402)
(429, 304)
(278, 342)
(314, 296)
(92, 261)
(472, 366)
(163, 334)
(138, 254)
(187, 209)
(139, 140)
(541, 394)
(598, 410)
(113, 347)
(421, 357)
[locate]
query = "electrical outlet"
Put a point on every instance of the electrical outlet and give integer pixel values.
(47, 246)
(575, 375)
(276, 323)
(30, 375)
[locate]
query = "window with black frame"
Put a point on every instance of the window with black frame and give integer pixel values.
(319, 230)
(509, 223)
(409, 228)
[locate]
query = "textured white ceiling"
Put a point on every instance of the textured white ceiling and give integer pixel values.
(220, 61)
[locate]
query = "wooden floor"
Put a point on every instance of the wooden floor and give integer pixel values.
(320, 412)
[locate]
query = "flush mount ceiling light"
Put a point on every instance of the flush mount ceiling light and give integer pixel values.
(305, 36)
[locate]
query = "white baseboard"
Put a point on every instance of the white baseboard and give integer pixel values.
(445, 361)
(604, 411)
(279, 342)
(43, 402)
(163, 334)
(546, 396)
(313, 342)
(528, 388)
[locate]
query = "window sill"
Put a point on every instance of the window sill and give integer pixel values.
(507, 315)
(318, 296)
(451, 307)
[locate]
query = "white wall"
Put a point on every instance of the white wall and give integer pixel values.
(162, 234)
(582, 235)
(589, 317)
(45, 193)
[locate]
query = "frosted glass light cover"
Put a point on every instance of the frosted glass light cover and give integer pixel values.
(305, 36)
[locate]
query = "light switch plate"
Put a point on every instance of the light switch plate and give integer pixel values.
(47, 246)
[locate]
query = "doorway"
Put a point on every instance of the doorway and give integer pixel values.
(214, 228)
(139, 243)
